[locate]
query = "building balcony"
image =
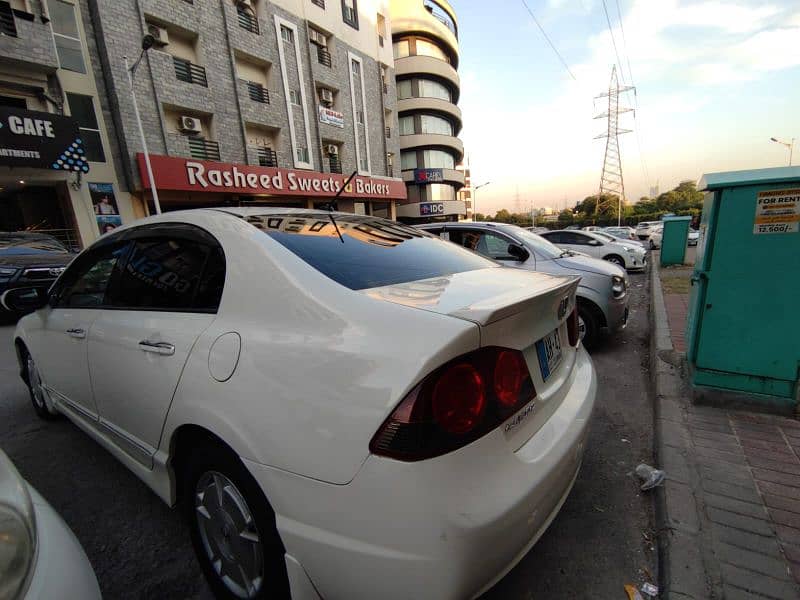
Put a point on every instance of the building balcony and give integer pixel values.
(433, 140)
(189, 72)
(412, 65)
(450, 176)
(431, 105)
(25, 41)
(419, 20)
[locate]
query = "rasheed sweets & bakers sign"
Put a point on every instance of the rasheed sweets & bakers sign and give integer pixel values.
(40, 140)
(189, 175)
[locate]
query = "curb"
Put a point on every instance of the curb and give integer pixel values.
(682, 575)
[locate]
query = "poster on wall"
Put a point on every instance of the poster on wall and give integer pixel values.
(104, 204)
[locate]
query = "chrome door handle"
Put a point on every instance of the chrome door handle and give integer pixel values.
(164, 348)
(76, 333)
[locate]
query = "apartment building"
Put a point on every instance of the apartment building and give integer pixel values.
(240, 101)
(56, 155)
(425, 46)
(249, 101)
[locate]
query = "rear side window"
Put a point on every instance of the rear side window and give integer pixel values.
(165, 273)
(375, 252)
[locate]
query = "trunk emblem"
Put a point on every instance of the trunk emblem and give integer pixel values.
(562, 307)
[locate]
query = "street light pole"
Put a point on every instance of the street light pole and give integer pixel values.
(475, 197)
(147, 43)
(789, 145)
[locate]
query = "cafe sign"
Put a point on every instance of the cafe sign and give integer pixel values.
(40, 140)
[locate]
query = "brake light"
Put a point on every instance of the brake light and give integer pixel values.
(573, 330)
(458, 403)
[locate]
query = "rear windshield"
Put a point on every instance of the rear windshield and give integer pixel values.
(375, 252)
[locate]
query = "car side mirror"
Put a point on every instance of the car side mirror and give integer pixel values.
(24, 299)
(595, 243)
(518, 252)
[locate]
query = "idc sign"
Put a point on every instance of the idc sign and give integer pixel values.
(431, 208)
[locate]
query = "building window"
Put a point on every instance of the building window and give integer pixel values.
(302, 155)
(439, 13)
(267, 157)
(428, 48)
(287, 35)
(7, 24)
(81, 109)
(65, 34)
(257, 92)
(356, 68)
(433, 89)
(439, 192)
(350, 13)
(381, 26)
(203, 149)
(401, 49)
(247, 17)
(320, 3)
(189, 72)
(360, 117)
(408, 160)
(437, 125)
(13, 101)
(404, 89)
(406, 125)
(439, 159)
(294, 97)
(385, 78)
(324, 56)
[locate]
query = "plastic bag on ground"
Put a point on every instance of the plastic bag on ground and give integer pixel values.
(650, 476)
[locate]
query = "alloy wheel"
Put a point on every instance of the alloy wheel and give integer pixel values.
(229, 534)
(581, 328)
(35, 381)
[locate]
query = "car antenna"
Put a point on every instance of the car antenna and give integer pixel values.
(331, 206)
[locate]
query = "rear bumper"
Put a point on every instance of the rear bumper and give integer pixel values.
(422, 530)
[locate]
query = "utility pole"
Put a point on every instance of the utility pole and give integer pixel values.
(611, 181)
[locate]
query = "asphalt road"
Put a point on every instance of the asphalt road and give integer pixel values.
(602, 539)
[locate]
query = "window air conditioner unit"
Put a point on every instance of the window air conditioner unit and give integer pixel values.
(191, 125)
(326, 95)
(332, 149)
(317, 37)
(159, 34)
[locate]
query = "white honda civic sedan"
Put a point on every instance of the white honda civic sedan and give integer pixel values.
(342, 406)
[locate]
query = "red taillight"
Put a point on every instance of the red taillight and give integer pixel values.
(573, 331)
(459, 399)
(456, 404)
(510, 371)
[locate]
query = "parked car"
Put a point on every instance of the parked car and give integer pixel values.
(644, 229)
(622, 232)
(40, 557)
(622, 238)
(537, 229)
(637, 248)
(588, 242)
(694, 235)
(592, 228)
(322, 394)
(655, 236)
(572, 227)
(603, 289)
(30, 260)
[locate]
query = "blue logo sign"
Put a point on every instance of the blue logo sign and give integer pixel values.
(428, 175)
(431, 208)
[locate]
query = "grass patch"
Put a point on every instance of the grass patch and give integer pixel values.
(676, 285)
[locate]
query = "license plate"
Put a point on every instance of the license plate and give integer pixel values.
(549, 351)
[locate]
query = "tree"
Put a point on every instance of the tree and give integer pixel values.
(479, 217)
(565, 218)
(503, 216)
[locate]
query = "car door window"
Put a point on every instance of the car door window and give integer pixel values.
(86, 282)
(163, 273)
(484, 243)
(574, 239)
(553, 237)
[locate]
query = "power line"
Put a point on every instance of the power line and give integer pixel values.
(535, 20)
(625, 49)
(613, 41)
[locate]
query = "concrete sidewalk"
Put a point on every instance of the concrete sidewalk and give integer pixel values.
(729, 511)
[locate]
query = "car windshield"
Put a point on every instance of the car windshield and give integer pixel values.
(372, 252)
(606, 236)
(538, 243)
(12, 244)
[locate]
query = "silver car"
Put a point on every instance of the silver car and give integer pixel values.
(39, 556)
(603, 289)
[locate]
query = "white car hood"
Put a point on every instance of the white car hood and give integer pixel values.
(589, 264)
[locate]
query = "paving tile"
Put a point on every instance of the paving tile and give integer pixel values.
(730, 476)
(791, 552)
(749, 541)
(781, 503)
(745, 493)
(750, 509)
(714, 436)
(788, 535)
(753, 561)
(750, 434)
(757, 583)
(777, 446)
(674, 434)
(719, 418)
(777, 489)
(674, 464)
(737, 521)
(794, 567)
(717, 445)
(770, 455)
(774, 465)
(702, 454)
(784, 517)
(775, 477)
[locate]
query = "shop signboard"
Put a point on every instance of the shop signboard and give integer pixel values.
(189, 175)
(40, 140)
(428, 175)
(431, 208)
(331, 117)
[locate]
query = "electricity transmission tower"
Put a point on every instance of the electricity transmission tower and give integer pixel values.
(611, 182)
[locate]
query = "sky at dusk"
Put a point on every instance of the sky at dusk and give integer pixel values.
(715, 80)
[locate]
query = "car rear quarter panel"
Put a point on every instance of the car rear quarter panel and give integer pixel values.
(320, 368)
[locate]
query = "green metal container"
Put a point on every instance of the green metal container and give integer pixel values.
(743, 328)
(673, 242)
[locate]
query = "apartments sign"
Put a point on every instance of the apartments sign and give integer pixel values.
(186, 174)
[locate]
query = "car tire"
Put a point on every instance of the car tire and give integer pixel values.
(615, 259)
(39, 398)
(233, 527)
(652, 245)
(589, 322)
